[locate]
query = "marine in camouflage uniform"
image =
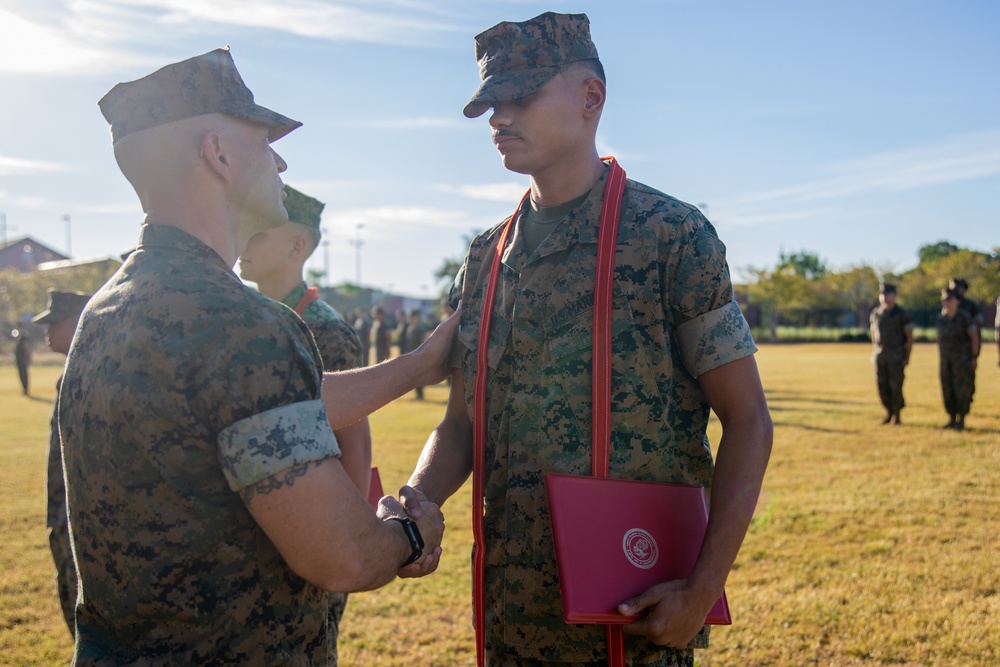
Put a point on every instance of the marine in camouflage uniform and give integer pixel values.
(674, 325)
(958, 347)
(275, 259)
(892, 340)
(60, 317)
(200, 462)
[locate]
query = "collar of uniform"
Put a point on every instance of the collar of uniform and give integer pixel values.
(169, 237)
(292, 298)
(576, 228)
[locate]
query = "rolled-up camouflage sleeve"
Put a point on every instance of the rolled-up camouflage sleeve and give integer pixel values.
(715, 339)
(257, 447)
(711, 329)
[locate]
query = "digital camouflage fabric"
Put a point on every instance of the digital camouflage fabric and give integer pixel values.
(209, 83)
(517, 58)
(337, 341)
(61, 307)
(673, 317)
(302, 208)
(182, 387)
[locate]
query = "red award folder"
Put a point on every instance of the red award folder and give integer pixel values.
(616, 538)
(375, 489)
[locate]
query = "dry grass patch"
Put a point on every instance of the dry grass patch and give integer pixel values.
(872, 545)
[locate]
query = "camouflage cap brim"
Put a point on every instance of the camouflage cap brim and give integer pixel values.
(62, 306)
(506, 86)
(209, 83)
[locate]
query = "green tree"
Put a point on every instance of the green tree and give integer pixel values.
(935, 251)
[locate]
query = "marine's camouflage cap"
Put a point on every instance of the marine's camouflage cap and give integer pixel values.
(516, 59)
(208, 83)
(887, 288)
(62, 306)
(302, 209)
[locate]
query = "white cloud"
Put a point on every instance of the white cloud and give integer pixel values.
(502, 192)
(13, 165)
(28, 47)
(391, 221)
(958, 159)
(414, 123)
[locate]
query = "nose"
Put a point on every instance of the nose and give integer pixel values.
(278, 160)
(499, 116)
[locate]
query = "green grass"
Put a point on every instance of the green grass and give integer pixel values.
(872, 545)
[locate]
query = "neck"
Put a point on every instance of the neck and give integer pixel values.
(277, 287)
(200, 212)
(567, 179)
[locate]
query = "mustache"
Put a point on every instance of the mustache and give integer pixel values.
(505, 134)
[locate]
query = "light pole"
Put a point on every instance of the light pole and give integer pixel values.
(326, 258)
(69, 245)
(357, 243)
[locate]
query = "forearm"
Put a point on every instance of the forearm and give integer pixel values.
(445, 463)
(356, 453)
(739, 472)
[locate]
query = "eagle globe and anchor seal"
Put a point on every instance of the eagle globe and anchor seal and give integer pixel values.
(640, 548)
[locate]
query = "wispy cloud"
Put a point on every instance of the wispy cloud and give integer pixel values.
(415, 123)
(392, 221)
(93, 35)
(505, 192)
(12, 165)
(963, 158)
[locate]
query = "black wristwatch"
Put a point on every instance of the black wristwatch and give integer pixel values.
(413, 535)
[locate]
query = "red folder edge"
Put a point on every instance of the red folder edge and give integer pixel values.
(375, 489)
(718, 615)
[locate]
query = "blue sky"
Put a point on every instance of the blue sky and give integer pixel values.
(856, 129)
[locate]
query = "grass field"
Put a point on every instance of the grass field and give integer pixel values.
(872, 545)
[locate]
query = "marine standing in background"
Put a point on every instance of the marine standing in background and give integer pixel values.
(996, 329)
(22, 358)
(275, 260)
(381, 335)
(958, 347)
(680, 348)
(411, 335)
(61, 317)
(892, 341)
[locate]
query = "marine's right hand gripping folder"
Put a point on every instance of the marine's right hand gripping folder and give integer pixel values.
(616, 538)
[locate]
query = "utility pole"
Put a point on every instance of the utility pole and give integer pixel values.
(326, 257)
(357, 243)
(69, 244)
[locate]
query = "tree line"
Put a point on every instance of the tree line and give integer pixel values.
(802, 290)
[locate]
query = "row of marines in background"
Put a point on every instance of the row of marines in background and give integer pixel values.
(959, 342)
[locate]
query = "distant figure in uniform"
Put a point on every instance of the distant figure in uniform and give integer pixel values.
(209, 512)
(892, 340)
(275, 260)
(958, 347)
(363, 327)
(381, 335)
(61, 317)
(996, 329)
(960, 286)
(411, 335)
(680, 348)
(22, 357)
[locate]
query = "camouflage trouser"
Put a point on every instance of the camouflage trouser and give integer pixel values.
(498, 659)
(957, 385)
(338, 601)
(62, 556)
(889, 375)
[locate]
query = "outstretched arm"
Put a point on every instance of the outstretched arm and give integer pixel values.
(356, 393)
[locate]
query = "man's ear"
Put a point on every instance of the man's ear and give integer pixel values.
(212, 151)
(299, 245)
(595, 92)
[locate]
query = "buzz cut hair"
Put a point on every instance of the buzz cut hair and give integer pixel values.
(313, 236)
(592, 66)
